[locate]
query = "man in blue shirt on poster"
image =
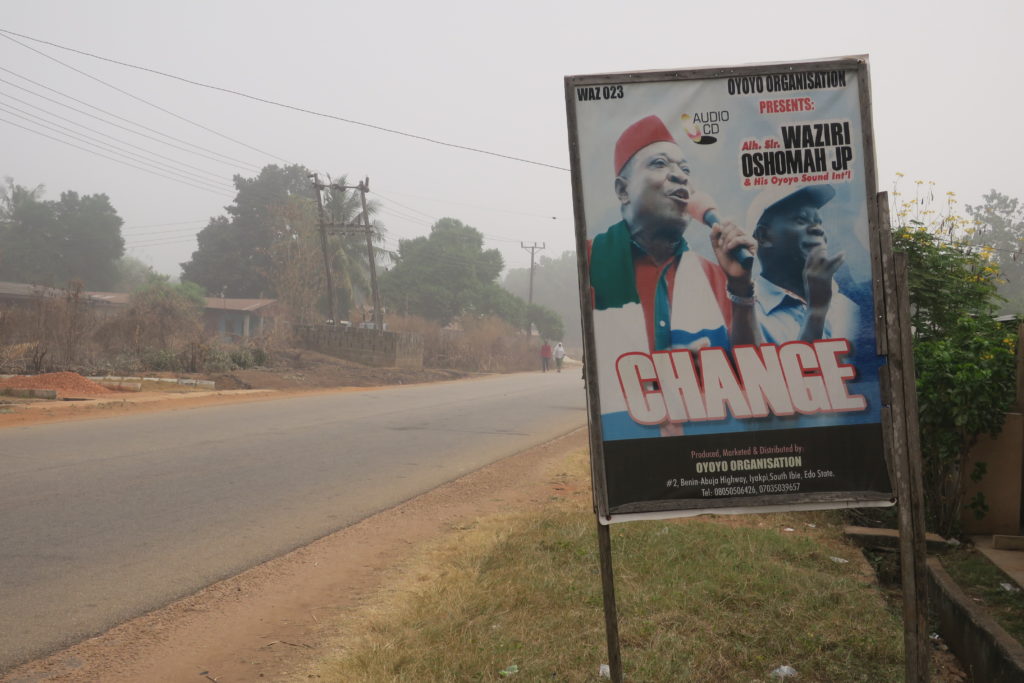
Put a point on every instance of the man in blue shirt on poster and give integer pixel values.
(797, 297)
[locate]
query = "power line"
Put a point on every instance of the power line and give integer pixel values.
(148, 234)
(164, 225)
(132, 156)
(404, 216)
(158, 243)
(476, 206)
(422, 213)
(491, 237)
(144, 101)
(285, 106)
(97, 132)
(236, 162)
(84, 149)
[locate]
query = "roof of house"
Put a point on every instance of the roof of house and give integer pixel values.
(223, 303)
(20, 290)
(212, 302)
(17, 289)
(118, 298)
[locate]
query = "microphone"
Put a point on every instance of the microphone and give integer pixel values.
(702, 207)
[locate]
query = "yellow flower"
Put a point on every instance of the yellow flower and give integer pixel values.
(898, 174)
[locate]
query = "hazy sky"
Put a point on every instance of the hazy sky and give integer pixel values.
(945, 80)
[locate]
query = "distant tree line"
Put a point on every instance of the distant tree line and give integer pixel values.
(555, 287)
(52, 242)
(448, 274)
(267, 245)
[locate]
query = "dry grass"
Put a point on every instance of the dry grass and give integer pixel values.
(486, 344)
(67, 333)
(720, 599)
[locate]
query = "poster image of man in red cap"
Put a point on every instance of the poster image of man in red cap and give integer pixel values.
(648, 285)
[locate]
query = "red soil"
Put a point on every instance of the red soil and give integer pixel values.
(65, 383)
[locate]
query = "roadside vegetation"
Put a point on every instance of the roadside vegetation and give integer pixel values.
(160, 330)
(443, 286)
(472, 343)
(964, 358)
(723, 599)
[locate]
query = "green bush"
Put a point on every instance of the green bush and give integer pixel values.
(242, 358)
(218, 360)
(963, 358)
(161, 360)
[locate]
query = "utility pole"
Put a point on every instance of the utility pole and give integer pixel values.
(533, 248)
(318, 187)
(378, 314)
(363, 187)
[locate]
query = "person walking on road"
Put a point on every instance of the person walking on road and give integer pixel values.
(559, 354)
(545, 356)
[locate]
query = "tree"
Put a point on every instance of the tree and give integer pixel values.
(163, 313)
(444, 275)
(77, 238)
(555, 286)
(999, 228)
(233, 255)
(350, 257)
(296, 263)
(272, 221)
(133, 274)
(548, 323)
(964, 359)
(496, 301)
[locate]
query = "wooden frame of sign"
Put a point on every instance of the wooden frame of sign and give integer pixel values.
(683, 423)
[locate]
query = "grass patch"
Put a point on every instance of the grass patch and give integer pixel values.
(711, 599)
(171, 387)
(981, 580)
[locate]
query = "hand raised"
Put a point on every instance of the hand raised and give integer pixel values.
(819, 269)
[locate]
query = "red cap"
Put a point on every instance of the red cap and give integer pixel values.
(644, 132)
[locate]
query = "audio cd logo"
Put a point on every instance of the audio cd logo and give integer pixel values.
(702, 127)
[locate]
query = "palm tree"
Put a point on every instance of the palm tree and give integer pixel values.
(297, 260)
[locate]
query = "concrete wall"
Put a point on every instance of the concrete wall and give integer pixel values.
(1003, 483)
(987, 651)
(369, 347)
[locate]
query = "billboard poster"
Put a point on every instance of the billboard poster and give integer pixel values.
(724, 222)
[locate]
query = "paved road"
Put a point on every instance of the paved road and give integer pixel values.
(102, 521)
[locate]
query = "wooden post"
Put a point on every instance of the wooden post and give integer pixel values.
(611, 618)
(905, 447)
(918, 551)
(1019, 407)
(318, 188)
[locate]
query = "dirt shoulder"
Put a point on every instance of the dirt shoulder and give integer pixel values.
(273, 622)
(294, 372)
